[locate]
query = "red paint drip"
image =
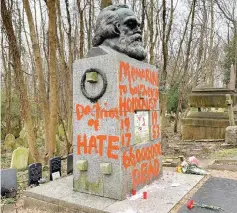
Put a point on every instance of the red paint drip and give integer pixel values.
(134, 191)
(144, 195)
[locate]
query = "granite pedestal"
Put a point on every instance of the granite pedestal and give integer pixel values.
(116, 130)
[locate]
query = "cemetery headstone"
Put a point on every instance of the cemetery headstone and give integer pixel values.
(34, 173)
(20, 143)
(20, 158)
(69, 163)
(9, 142)
(57, 148)
(55, 168)
(8, 182)
(22, 133)
(61, 132)
(231, 135)
(231, 84)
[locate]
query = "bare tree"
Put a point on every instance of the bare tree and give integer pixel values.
(51, 5)
(19, 78)
(166, 30)
(40, 74)
(186, 64)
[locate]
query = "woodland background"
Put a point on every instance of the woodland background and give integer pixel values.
(193, 43)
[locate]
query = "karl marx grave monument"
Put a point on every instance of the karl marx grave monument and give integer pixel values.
(116, 114)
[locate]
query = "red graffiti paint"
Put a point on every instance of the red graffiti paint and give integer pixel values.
(86, 145)
(143, 173)
(131, 157)
(137, 90)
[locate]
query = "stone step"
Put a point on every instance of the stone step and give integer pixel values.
(223, 167)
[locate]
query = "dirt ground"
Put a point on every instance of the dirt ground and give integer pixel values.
(174, 146)
(18, 207)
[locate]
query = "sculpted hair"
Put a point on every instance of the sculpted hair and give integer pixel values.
(107, 24)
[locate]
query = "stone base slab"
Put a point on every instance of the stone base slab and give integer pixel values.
(58, 196)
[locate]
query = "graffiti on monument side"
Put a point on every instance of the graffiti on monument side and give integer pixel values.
(144, 161)
(133, 73)
(138, 91)
(97, 143)
(126, 104)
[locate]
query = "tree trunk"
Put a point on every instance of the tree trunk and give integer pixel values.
(143, 14)
(201, 45)
(39, 70)
(180, 45)
(82, 35)
(51, 5)
(69, 78)
(211, 61)
(90, 25)
(8, 83)
(151, 30)
(105, 3)
(165, 41)
(186, 63)
(20, 82)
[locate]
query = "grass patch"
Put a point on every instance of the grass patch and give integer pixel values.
(225, 153)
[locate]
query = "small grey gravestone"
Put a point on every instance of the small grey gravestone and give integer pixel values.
(55, 168)
(34, 173)
(70, 163)
(8, 182)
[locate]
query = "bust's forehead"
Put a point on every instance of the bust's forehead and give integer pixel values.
(124, 13)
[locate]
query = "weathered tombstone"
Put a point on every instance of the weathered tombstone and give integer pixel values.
(57, 148)
(231, 135)
(22, 133)
(111, 89)
(231, 84)
(229, 103)
(8, 182)
(19, 142)
(61, 132)
(55, 168)
(34, 173)
(9, 142)
(20, 158)
(69, 163)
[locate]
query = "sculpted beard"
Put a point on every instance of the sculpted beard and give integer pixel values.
(129, 45)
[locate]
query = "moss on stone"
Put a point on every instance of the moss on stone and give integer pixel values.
(20, 158)
(82, 165)
(92, 77)
(84, 185)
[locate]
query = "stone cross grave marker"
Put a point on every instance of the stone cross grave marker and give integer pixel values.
(232, 78)
(69, 163)
(34, 173)
(55, 168)
(8, 182)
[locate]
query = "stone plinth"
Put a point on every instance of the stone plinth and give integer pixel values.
(58, 196)
(211, 97)
(116, 146)
(205, 124)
